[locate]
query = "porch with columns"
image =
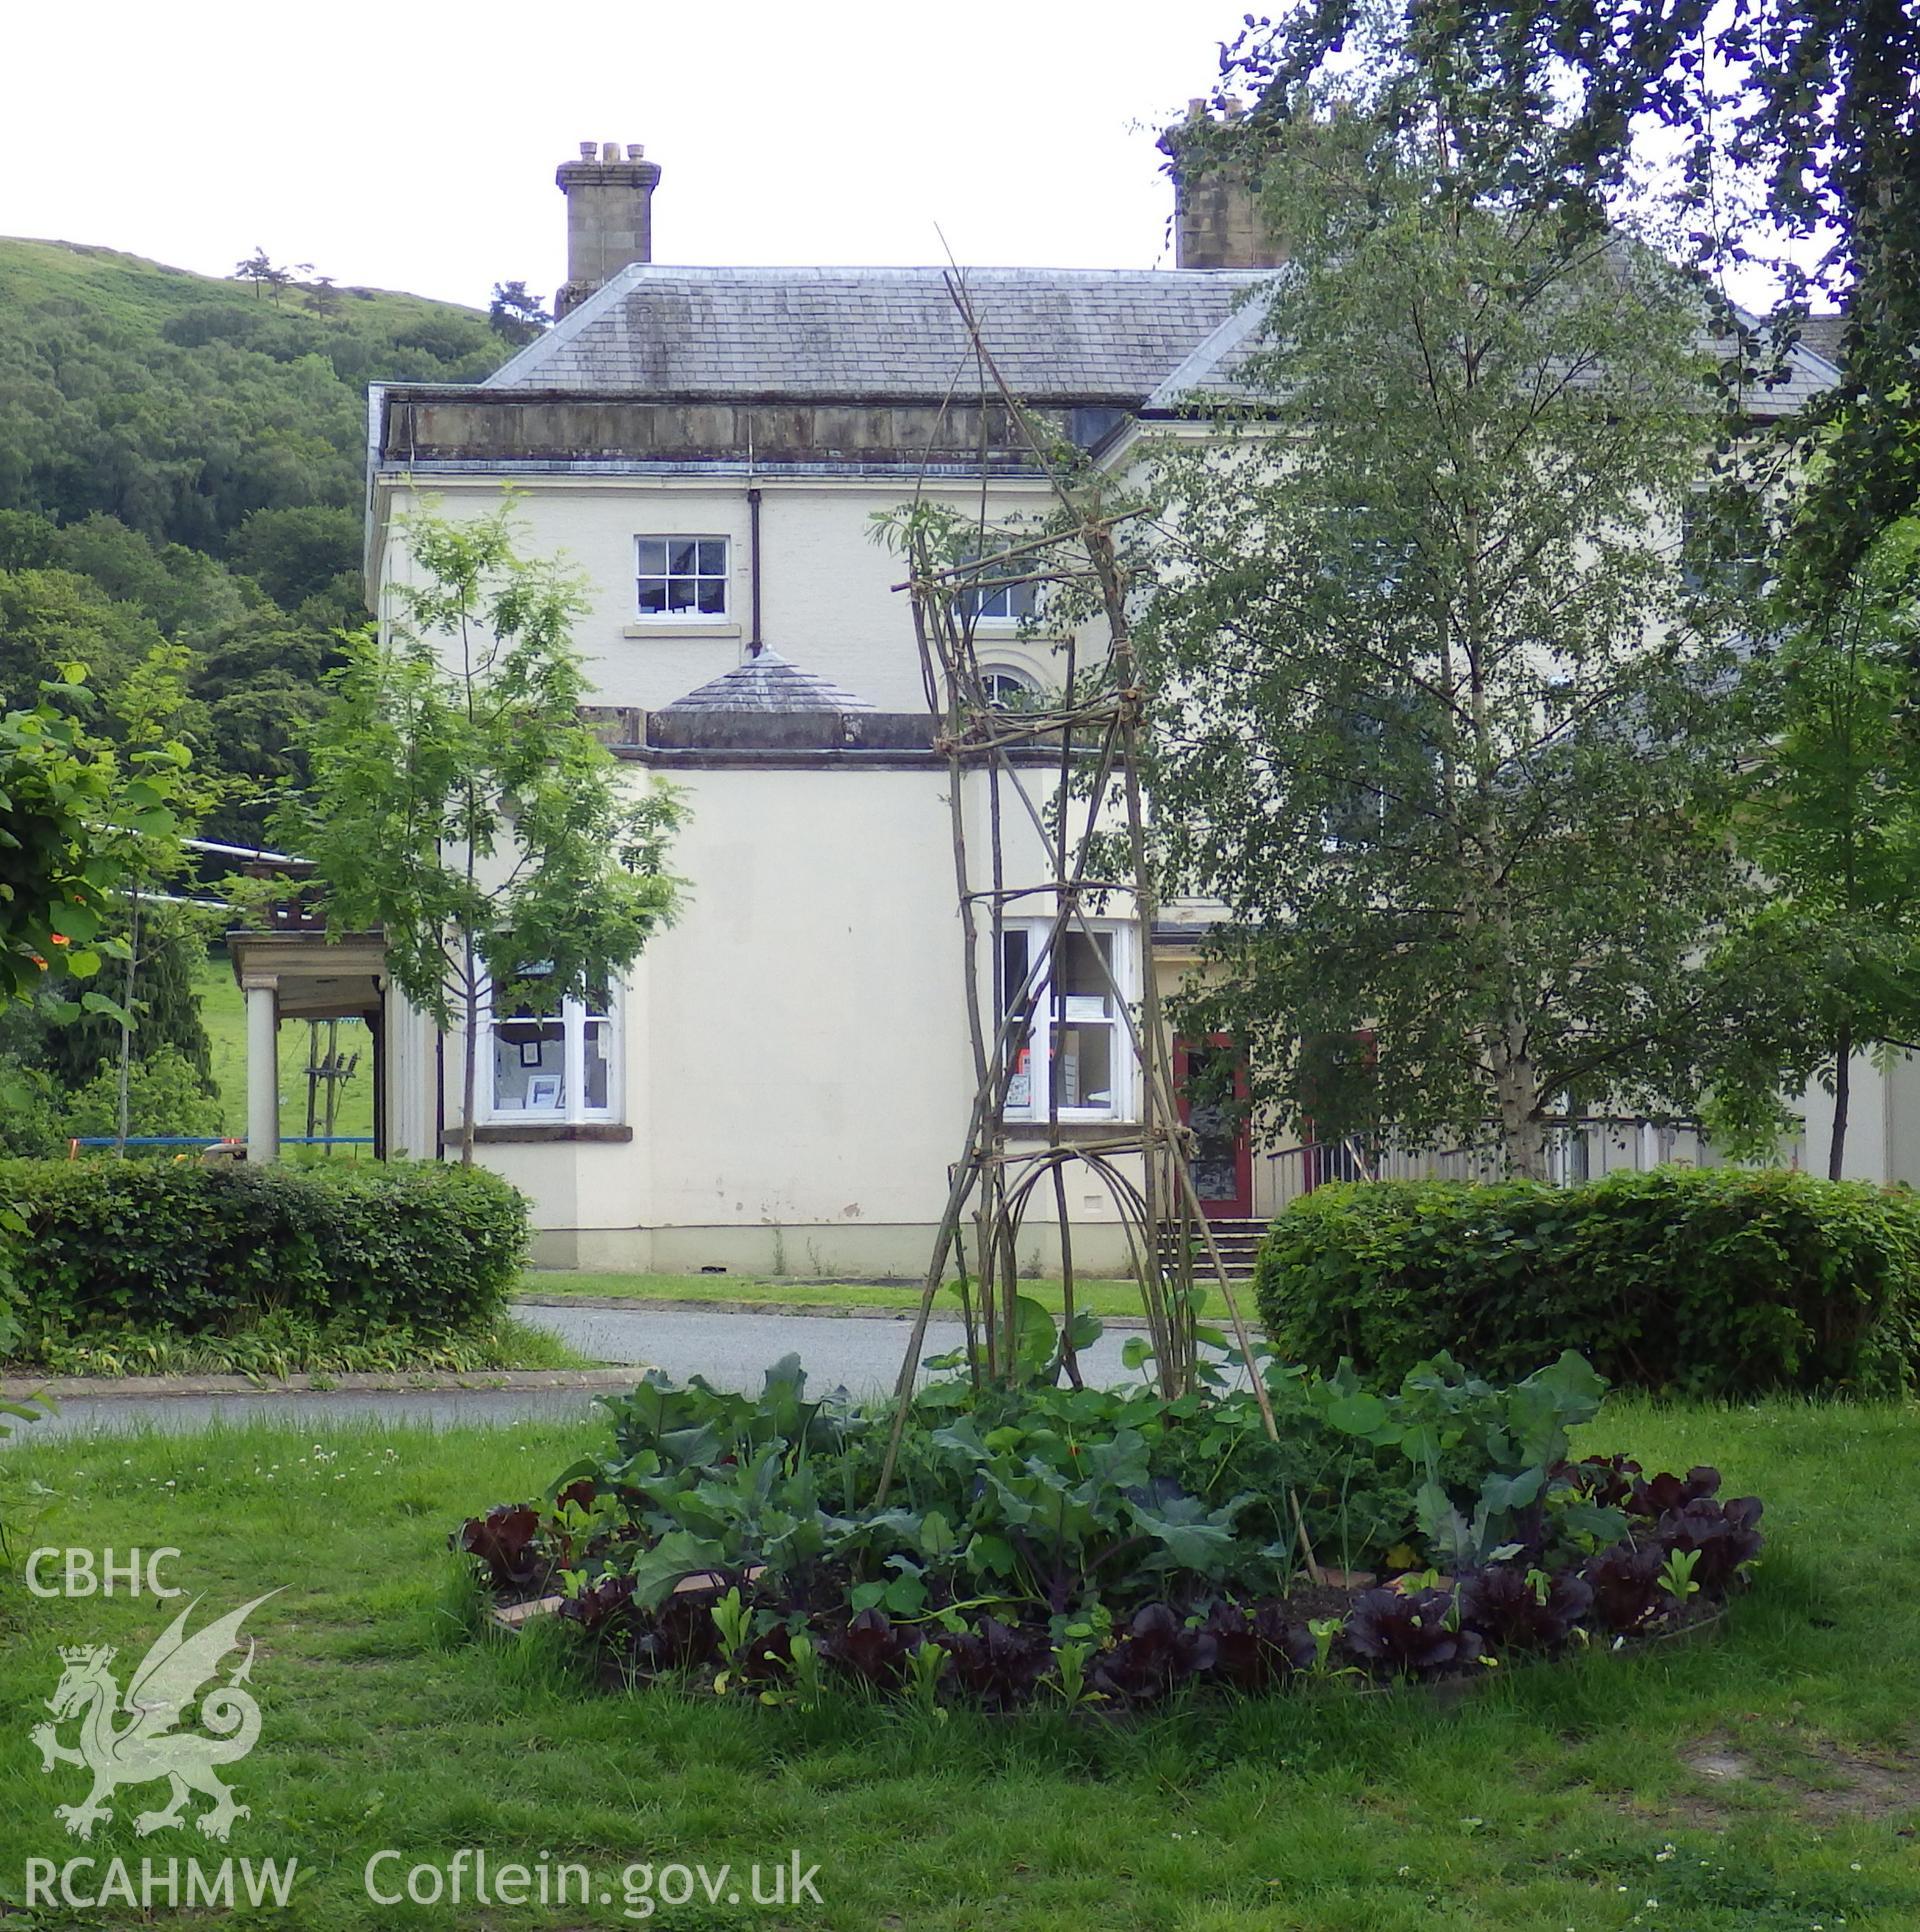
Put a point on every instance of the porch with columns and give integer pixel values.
(301, 974)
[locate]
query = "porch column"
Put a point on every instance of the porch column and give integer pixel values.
(263, 1074)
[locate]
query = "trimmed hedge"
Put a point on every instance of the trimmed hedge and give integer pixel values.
(198, 1249)
(1717, 1281)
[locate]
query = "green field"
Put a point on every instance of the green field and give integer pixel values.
(1761, 1781)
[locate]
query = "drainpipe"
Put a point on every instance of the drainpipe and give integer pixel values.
(377, 1038)
(753, 567)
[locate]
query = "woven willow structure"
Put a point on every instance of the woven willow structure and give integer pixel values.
(1091, 824)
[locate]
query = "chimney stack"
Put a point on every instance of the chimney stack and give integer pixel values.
(1216, 205)
(609, 195)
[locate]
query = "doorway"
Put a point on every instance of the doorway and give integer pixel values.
(1213, 1104)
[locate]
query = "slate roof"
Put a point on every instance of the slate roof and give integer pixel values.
(1058, 335)
(1211, 372)
(769, 685)
(1140, 339)
(1809, 370)
(1822, 333)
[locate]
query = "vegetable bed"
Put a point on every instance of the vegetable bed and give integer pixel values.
(1094, 1548)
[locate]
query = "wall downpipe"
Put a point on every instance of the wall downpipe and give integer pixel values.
(754, 640)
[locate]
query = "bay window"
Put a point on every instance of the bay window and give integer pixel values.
(1077, 1053)
(558, 1065)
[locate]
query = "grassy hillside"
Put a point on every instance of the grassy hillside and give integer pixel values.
(131, 289)
(181, 458)
(181, 404)
(181, 461)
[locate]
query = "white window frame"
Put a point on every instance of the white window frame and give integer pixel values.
(573, 1016)
(1124, 1101)
(1023, 680)
(1709, 574)
(674, 619)
(1001, 604)
(995, 604)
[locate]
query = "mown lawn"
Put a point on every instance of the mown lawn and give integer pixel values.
(1105, 1298)
(1763, 1780)
(275, 1347)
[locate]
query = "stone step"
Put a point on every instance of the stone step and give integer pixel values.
(1237, 1239)
(1238, 1267)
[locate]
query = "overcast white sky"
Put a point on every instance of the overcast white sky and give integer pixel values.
(412, 144)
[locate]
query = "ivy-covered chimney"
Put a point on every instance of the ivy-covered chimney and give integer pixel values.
(1216, 204)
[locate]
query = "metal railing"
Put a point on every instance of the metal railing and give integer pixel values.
(1579, 1148)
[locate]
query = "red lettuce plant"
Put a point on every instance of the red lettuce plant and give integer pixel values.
(869, 1647)
(677, 1634)
(1158, 1654)
(1514, 1609)
(1410, 1635)
(1625, 1579)
(1258, 1648)
(1607, 1480)
(595, 1603)
(1657, 1494)
(767, 1658)
(504, 1539)
(998, 1665)
(1723, 1536)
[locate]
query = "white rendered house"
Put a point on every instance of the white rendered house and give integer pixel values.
(783, 1080)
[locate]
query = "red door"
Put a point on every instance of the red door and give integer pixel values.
(1223, 1146)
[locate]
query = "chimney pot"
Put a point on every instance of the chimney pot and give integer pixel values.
(609, 193)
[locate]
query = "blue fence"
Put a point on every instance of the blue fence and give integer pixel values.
(220, 1140)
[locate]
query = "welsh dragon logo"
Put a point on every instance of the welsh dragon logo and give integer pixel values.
(148, 1746)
